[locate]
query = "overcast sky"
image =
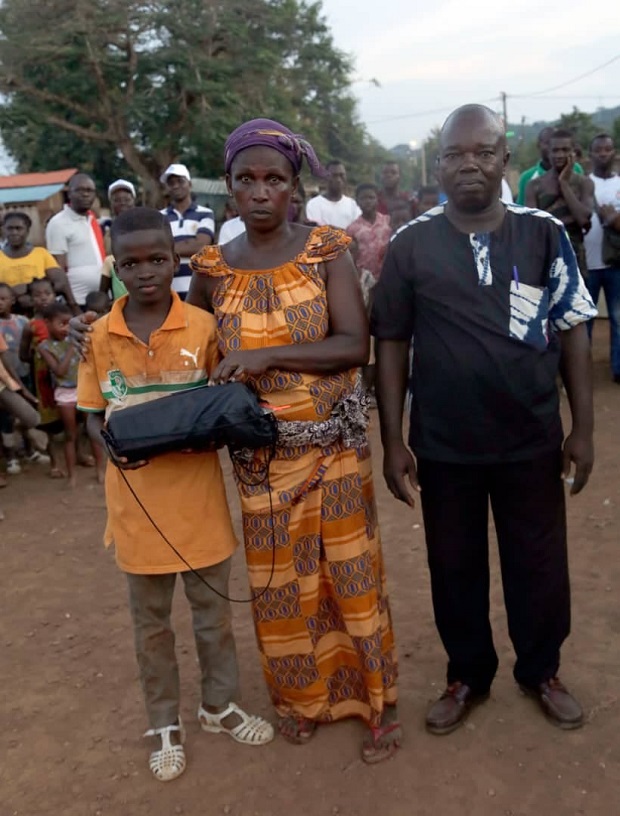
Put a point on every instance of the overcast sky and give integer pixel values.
(438, 54)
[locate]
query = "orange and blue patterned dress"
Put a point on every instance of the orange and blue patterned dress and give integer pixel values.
(323, 625)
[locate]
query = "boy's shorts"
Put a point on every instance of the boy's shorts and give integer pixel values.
(65, 396)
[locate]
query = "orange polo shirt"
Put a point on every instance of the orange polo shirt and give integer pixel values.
(183, 492)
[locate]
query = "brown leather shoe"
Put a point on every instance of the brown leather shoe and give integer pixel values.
(558, 704)
(451, 709)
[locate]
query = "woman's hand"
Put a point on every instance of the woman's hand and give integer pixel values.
(239, 365)
(79, 327)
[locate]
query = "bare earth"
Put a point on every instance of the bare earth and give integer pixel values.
(72, 714)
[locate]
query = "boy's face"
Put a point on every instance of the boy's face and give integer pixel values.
(428, 202)
(146, 263)
(7, 300)
(42, 295)
(367, 202)
(58, 326)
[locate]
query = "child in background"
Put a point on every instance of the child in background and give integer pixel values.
(367, 284)
(98, 302)
(62, 360)
(134, 350)
(42, 294)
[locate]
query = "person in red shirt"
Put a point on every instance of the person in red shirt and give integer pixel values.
(390, 194)
(371, 231)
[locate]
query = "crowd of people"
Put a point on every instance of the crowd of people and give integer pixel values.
(468, 297)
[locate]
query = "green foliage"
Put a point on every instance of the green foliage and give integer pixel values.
(125, 87)
(581, 126)
(615, 132)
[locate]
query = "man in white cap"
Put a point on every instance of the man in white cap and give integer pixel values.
(122, 196)
(193, 226)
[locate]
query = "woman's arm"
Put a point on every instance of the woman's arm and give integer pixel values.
(346, 346)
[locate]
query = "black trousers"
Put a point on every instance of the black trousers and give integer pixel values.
(527, 500)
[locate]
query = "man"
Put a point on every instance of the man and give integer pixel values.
(390, 194)
(563, 193)
(334, 207)
(492, 297)
(606, 210)
(193, 226)
(74, 238)
(371, 231)
(543, 165)
(122, 196)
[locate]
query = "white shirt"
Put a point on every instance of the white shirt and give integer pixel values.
(506, 193)
(230, 229)
(606, 191)
(71, 234)
(335, 213)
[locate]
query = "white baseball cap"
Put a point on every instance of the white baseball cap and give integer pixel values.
(121, 184)
(175, 170)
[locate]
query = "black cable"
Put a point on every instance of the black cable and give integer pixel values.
(264, 479)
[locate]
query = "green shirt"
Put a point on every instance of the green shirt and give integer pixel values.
(535, 172)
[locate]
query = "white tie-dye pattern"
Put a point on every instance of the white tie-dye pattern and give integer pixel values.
(528, 314)
(481, 245)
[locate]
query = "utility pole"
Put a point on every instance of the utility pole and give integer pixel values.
(502, 95)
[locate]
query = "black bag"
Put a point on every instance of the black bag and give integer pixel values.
(202, 418)
(611, 247)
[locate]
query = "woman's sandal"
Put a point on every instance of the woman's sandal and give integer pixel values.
(383, 741)
(296, 729)
(252, 730)
(169, 761)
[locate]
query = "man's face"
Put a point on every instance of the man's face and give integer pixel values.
(121, 200)
(337, 180)
(390, 176)
(82, 194)
(179, 187)
(560, 152)
(471, 162)
(603, 153)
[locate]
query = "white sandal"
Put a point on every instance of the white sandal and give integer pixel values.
(252, 730)
(169, 762)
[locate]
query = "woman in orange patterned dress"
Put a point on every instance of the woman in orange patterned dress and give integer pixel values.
(292, 323)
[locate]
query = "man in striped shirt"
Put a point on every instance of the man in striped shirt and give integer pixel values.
(193, 226)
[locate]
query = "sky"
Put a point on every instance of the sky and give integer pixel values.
(430, 57)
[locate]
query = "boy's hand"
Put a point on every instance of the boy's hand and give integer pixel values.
(122, 463)
(79, 328)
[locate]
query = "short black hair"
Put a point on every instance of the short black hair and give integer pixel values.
(4, 285)
(138, 219)
(94, 299)
(600, 136)
(38, 281)
(563, 133)
(333, 163)
(56, 309)
(365, 185)
(18, 214)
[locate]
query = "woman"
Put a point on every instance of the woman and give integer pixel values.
(292, 323)
(21, 263)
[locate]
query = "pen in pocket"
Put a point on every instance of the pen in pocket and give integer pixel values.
(515, 275)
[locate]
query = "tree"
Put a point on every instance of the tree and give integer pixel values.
(581, 126)
(123, 86)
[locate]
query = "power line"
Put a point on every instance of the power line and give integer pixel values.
(423, 113)
(570, 81)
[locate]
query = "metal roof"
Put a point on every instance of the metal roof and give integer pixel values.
(23, 195)
(210, 186)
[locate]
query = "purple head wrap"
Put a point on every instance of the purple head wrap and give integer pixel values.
(272, 134)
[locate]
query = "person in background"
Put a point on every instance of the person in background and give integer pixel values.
(21, 263)
(333, 208)
(606, 213)
(148, 330)
(428, 198)
(193, 226)
(390, 193)
(98, 302)
(401, 214)
(492, 296)
(569, 197)
(371, 231)
(122, 196)
(542, 166)
(74, 238)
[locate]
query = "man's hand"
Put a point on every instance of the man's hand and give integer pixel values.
(79, 328)
(607, 213)
(400, 473)
(566, 172)
(580, 450)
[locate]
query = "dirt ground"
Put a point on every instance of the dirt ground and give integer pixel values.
(72, 714)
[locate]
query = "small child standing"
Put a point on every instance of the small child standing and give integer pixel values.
(98, 302)
(135, 350)
(62, 360)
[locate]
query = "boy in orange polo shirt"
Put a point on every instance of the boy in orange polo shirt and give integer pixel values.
(149, 345)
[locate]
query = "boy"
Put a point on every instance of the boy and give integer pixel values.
(98, 302)
(151, 339)
(371, 230)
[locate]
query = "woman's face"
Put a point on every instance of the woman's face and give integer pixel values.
(261, 180)
(16, 232)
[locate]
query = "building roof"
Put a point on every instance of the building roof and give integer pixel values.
(28, 195)
(36, 179)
